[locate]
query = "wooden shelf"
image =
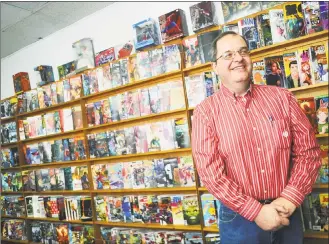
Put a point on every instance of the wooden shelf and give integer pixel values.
(316, 234)
(203, 189)
(151, 226)
(196, 67)
(309, 87)
(11, 168)
(11, 193)
(9, 144)
(320, 186)
(39, 138)
(142, 154)
(7, 119)
(213, 229)
(13, 217)
(44, 110)
(146, 190)
(321, 135)
(57, 192)
(14, 241)
(46, 165)
(63, 221)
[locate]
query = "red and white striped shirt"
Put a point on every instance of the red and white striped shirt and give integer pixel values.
(259, 146)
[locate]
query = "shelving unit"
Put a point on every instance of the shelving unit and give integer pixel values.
(313, 90)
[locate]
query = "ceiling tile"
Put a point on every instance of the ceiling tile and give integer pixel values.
(11, 15)
(32, 6)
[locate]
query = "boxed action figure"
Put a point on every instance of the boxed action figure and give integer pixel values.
(44, 74)
(21, 82)
(203, 15)
(146, 34)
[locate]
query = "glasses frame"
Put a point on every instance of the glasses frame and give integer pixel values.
(234, 53)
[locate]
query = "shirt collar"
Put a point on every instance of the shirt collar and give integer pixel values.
(231, 94)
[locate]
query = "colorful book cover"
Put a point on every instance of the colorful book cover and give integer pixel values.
(101, 145)
(173, 25)
(235, 10)
(305, 66)
(203, 15)
(191, 51)
(116, 177)
(145, 108)
(275, 74)
(127, 175)
(191, 210)
(121, 144)
(60, 91)
(182, 133)
(172, 58)
(258, 72)
(159, 172)
(195, 89)
(165, 212)
(323, 176)
(101, 178)
(324, 7)
(294, 20)
(177, 96)
(130, 140)
(138, 170)
(172, 172)
(308, 106)
(186, 171)
(209, 210)
(126, 209)
(67, 90)
(124, 71)
(264, 29)
(157, 61)
(140, 133)
(144, 65)
(116, 75)
(177, 209)
(112, 143)
(248, 29)
(319, 63)
(167, 138)
(311, 11)
(101, 208)
(278, 28)
(133, 104)
(321, 106)
(290, 61)
(77, 117)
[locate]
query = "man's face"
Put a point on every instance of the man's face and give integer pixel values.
(294, 70)
(236, 70)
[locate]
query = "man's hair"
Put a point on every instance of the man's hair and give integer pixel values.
(220, 36)
(292, 62)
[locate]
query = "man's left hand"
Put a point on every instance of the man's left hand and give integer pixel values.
(287, 205)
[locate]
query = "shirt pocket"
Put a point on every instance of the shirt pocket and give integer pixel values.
(282, 133)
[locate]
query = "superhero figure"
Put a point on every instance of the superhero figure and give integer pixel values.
(172, 25)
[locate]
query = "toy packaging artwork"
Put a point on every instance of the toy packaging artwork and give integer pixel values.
(21, 82)
(146, 34)
(65, 69)
(203, 15)
(105, 56)
(173, 25)
(84, 50)
(44, 74)
(124, 50)
(235, 10)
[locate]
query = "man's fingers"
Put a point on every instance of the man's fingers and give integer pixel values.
(285, 221)
(280, 208)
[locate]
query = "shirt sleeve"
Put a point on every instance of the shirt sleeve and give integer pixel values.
(306, 159)
(211, 169)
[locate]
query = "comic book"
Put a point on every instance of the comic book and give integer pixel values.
(138, 174)
(90, 114)
(235, 10)
(291, 69)
(101, 208)
(101, 178)
(133, 104)
(186, 171)
(275, 73)
(172, 172)
(278, 28)
(66, 90)
(116, 74)
(145, 108)
(60, 91)
(324, 7)
(116, 177)
(148, 205)
(126, 209)
(124, 71)
(305, 66)
(98, 111)
(191, 210)
(140, 133)
(203, 15)
(177, 96)
(106, 111)
(53, 90)
(248, 29)
(121, 144)
(144, 65)
(205, 41)
(159, 172)
(209, 210)
(323, 176)
(101, 145)
(115, 209)
(130, 140)
(154, 99)
(76, 86)
(264, 29)
(192, 53)
(157, 61)
(112, 143)
(172, 58)
(195, 89)
(182, 139)
(123, 105)
(193, 237)
(294, 20)
(258, 73)
(105, 56)
(127, 175)
(319, 63)
(115, 107)
(165, 212)
(321, 107)
(77, 117)
(311, 12)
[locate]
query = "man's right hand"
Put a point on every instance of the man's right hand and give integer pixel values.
(269, 219)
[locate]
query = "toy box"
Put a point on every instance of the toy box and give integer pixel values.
(85, 54)
(105, 56)
(21, 82)
(203, 15)
(65, 69)
(146, 34)
(44, 74)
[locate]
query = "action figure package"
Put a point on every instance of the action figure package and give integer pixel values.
(44, 74)
(124, 49)
(66, 69)
(146, 34)
(105, 56)
(21, 82)
(173, 25)
(85, 54)
(203, 15)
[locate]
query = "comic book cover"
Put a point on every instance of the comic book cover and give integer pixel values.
(66, 90)
(165, 212)
(144, 65)
(32, 127)
(154, 99)
(248, 29)
(311, 12)
(210, 83)
(195, 89)
(60, 234)
(133, 72)
(34, 98)
(324, 7)
(127, 175)
(101, 145)
(50, 123)
(181, 133)
(45, 151)
(60, 91)
(126, 209)
(319, 63)
(275, 73)
(115, 107)
(157, 61)
(101, 208)
(159, 172)
(121, 144)
(115, 209)
(21, 106)
(231, 27)
(53, 90)
(123, 106)
(145, 108)
(205, 45)
(192, 53)
(115, 74)
(101, 178)
(164, 96)
(86, 84)
(90, 114)
(34, 153)
(42, 180)
(106, 234)
(323, 175)
(193, 237)
(278, 28)
(80, 177)
(101, 79)
(209, 210)
(98, 111)
(76, 234)
(116, 177)
(77, 117)
(132, 104)
(40, 92)
(140, 133)
(80, 148)
(149, 177)
(130, 140)
(177, 209)
(138, 175)
(291, 69)
(321, 107)
(154, 135)
(173, 25)
(167, 137)
(111, 140)
(76, 86)
(125, 49)
(148, 205)
(124, 71)
(304, 66)
(172, 172)
(235, 10)
(203, 15)
(172, 58)
(93, 82)
(258, 72)
(66, 117)
(58, 126)
(294, 20)
(85, 208)
(319, 215)
(186, 171)
(13, 131)
(264, 29)
(106, 111)
(105, 56)
(191, 210)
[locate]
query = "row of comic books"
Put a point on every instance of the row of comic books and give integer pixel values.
(13, 229)
(8, 107)
(12, 206)
(144, 65)
(54, 179)
(9, 157)
(49, 95)
(159, 209)
(167, 172)
(139, 236)
(59, 207)
(8, 133)
(151, 137)
(316, 110)
(61, 233)
(200, 86)
(315, 212)
(55, 122)
(306, 66)
(162, 97)
(67, 149)
(11, 181)
(323, 176)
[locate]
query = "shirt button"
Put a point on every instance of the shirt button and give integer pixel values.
(265, 191)
(262, 171)
(243, 99)
(258, 149)
(254, 128)
(247, 109)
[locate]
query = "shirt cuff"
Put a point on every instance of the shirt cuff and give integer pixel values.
(292, 194)
(250, 209)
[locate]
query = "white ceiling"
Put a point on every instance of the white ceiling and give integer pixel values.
(23, 23)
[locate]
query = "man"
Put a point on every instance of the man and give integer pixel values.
(293, 78)
(243, 139)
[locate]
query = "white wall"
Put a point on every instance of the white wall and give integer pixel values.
(108, 27)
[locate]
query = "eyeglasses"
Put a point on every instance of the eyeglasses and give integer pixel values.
(229, 55)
